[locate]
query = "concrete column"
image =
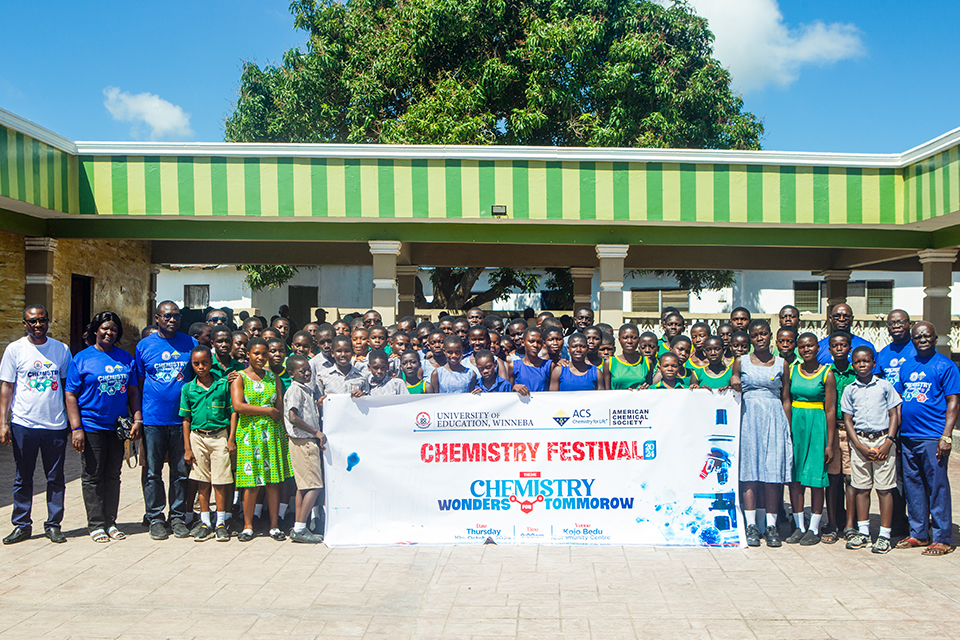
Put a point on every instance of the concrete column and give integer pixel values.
(582, 286)
(836, 280)
(937, 279)
(151, 310)
(385, 254)
(407, 289)
(611, 257)
(38, 271)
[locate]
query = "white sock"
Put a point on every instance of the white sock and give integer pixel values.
(772, 520)
(299, 526)
(205, 518)
(885, 532)
(221, 518)
(815, 522)
(275, 530)
(257, 510)
(750, 516)
(248, 531)
(283, 510)
(798, 518)
(864, 526)
(762, 520)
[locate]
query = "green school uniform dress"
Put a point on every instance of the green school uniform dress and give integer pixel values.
(415, 389)
(679, 385)
(688, 375)
(844, 379)
(629, 376)
(710, 381)
(663, 345)
(263, 455)
(808, 426)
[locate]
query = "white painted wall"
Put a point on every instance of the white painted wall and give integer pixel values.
(227, 288)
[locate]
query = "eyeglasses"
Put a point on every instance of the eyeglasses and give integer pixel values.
(218, 318)
(33, 322)
(171, 316)
(896, 323)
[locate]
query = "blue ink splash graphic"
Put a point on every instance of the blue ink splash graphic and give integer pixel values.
(352, 460)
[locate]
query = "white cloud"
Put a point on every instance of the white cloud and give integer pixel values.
(759, 49)
(164, 119)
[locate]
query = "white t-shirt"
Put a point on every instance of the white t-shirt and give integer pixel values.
(37, 372)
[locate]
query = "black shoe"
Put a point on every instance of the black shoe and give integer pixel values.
(19, 534)
(222, 534)
(180, 529)
(278, 535)
(245, 536)
(306, 536)
(753, 535)
(772, 537)
(794, 537)
(195, 527)
(158, 531)
(55, 535)
(204, 532)
(809, 539)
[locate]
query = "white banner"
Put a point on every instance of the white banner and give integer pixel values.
(584, 468)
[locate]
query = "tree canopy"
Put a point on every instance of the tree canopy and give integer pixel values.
(618, 73)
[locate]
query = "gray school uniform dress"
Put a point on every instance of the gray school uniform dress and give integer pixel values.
(766, 448)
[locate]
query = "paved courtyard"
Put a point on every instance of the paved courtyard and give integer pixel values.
(138, 588)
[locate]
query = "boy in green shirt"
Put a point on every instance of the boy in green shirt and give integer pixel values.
(208, 434)
(841, 496)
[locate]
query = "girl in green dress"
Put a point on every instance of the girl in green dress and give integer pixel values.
(812, 412)
(717, 375)
(699, 333)
(263, 459)
(687, 376)
(410, 371)
(629, 370)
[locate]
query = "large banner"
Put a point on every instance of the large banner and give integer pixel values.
(584, 468)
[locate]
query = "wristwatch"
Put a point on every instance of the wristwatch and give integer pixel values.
(947, 439)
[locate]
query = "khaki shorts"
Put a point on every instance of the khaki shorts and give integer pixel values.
(867, 474)
(305, 457)
(213, 463)
(841, 453)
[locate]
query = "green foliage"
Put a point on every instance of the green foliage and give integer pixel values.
(559, 285)
(694, 281)
(453, 287)
(615, 73)
(267, 276)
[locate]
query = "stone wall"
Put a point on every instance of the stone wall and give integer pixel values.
(11, 287)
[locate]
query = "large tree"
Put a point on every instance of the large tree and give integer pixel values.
(616, 73)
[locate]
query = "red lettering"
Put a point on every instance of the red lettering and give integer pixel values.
(578, 453)
(424, 452)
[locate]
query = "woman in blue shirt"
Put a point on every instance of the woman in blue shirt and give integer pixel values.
(101, 388)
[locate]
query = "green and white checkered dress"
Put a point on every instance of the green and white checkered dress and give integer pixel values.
(263, 456)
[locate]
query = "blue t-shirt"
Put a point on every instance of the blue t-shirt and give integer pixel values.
(924, 385)
(892, 357)
(163, 366)
(100, 380)
(824, 357)
(500, 386)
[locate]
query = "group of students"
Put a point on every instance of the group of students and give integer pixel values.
(239, 412)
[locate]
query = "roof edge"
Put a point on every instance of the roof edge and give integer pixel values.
(35, 131)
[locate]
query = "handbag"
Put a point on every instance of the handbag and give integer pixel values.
(124, 428)
(131, 448)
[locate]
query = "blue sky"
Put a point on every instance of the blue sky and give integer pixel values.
(824, 76)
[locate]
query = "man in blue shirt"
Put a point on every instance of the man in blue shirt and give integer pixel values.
(162, 362)
(841, 319)
(901, 349)
(929, 385)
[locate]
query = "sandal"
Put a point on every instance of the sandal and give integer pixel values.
(116, 534)
(829, 537)
(910, 542)
(99, 535)
(937, 549)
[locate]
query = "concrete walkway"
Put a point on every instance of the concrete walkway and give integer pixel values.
(138, 588)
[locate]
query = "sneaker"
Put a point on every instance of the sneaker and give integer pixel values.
(223, 535)
(180, 529)
(245, 536)
(849, 532)
(204, 532)
(306, 536)
(158, 531)
(753, 535)
(795, 537)
(195, 527)
(882, 545)
(278, 535)
(857, 541)
(809, 539)
(772, 537)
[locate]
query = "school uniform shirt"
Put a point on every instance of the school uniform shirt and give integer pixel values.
(304, 400)
(844, 379)
(36, 371)
(825, 357)
(386, 387)
(209, 408)
(318, 364)
(500, 386)
(923, 386)
(163, 367)
(100, 380)
(218, 370)
(892, 357)
(869, 403)
(333, 381)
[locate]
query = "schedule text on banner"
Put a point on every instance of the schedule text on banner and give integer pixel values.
(584, 468)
